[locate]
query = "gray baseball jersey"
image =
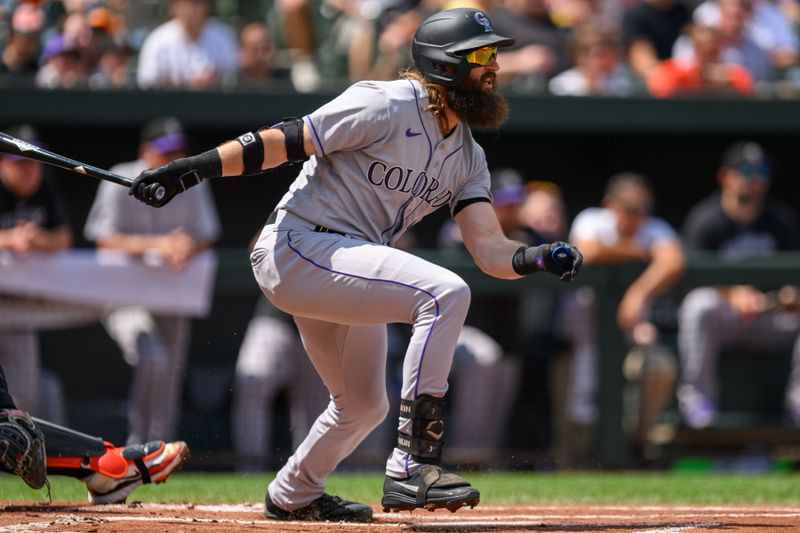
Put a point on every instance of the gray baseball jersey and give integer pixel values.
(381, 164)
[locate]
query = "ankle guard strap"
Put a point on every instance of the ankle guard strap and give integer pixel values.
(427, 428)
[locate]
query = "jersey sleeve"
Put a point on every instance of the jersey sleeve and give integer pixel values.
(477, 186)
(355, 119)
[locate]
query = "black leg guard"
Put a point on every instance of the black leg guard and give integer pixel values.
(427, 429)
(64, 442)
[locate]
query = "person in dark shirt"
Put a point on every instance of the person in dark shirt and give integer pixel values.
(32, 214)
(649, 30)
(739, 220)
(33, 219)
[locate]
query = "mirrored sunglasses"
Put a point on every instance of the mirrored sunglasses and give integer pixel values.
(481, 56)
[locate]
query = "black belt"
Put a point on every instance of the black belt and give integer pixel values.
(319, 229)
(323, 229)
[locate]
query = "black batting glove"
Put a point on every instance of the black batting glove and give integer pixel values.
(558, 258)
(156, 187)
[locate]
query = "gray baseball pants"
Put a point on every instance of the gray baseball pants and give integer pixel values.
(707, 326)
(342, 293)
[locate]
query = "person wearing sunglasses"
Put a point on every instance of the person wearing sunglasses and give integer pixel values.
(377, 159)
(622, 230)
(739, 220)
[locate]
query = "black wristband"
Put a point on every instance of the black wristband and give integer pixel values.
(518, 262)
(529, 259)
(207, 165)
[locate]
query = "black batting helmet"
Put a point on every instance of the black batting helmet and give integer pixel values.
(443, 38)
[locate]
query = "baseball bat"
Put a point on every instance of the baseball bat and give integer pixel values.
(12, 145)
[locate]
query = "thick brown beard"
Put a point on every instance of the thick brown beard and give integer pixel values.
(481, 109)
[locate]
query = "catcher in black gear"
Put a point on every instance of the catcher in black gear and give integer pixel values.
(21, 443)
(110, 473)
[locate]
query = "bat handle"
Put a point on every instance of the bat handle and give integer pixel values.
(160, 192)
(157, 191)
(561, 256)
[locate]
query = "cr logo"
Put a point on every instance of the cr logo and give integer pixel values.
(483, 21)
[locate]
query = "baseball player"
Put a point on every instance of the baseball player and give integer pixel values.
(381, 156)
(109, 472)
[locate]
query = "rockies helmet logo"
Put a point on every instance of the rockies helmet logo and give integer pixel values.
(483, 21)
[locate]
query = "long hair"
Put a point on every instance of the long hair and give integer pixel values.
(435, 96)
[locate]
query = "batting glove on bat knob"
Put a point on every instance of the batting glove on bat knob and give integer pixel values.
(156, 187)
(558, 258)
(22, 447)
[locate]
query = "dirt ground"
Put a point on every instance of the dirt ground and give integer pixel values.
(80, 517)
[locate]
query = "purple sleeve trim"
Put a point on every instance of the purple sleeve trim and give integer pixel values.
(316, 135)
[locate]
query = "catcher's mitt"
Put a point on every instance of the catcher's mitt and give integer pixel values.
(22, 447)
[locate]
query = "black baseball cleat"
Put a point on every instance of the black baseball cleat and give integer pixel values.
(429, 488)
(326, 508)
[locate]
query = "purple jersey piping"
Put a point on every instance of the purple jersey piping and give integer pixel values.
(422, 123)
(316, 135)
(448, 157)
(390, 281)
(399, 217)
(401, 212)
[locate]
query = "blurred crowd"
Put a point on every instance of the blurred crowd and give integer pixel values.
(661, 48)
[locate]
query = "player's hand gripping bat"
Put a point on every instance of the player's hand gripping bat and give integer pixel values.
(12, 145)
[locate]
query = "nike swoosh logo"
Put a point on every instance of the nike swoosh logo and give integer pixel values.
(410, 133)
(410, 488)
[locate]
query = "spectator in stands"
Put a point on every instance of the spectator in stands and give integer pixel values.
(546, 404)
(543, 215)
(297, 19)
(256, 57)
(33, 218)
(740, 220)
(379, 50)
(540, 49)
(21, 52)
(598, 70)
(61, 65)
(755, 34)
(156, 345)
(190, 51)
(605, 15)
(703, 72)
(623, 230)
(112, 67)
(649, 31)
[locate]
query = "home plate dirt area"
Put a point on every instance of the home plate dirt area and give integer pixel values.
(135, 517)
